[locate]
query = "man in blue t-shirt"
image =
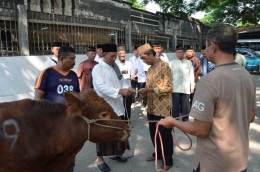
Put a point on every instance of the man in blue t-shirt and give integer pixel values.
(55, 80)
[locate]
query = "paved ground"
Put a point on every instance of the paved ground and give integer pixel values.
(141, 148)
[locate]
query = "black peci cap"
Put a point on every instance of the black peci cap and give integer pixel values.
(99, 45)
(179, 47)
(109, 47)
(91, 49)
(56, 44)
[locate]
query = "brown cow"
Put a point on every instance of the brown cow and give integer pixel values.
(43, 136)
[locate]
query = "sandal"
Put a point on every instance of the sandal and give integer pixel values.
(161, 169)
(150, 158)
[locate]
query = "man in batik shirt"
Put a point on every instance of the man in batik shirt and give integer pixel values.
(158, 91)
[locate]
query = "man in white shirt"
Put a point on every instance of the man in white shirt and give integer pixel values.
(54, 49)
(126, 68)
(141, 75)
(134, 71)
(99, 56)
(108, 83)
(157, 47)
(183, 83)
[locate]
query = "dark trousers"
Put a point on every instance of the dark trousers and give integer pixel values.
(191, 98)
(127, 105)
(180, 101)
(166, 139)
(134, 85)
(198, 170)
(72, 165)
(142, 85)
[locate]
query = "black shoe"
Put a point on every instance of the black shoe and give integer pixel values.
(103, 167)
(119, 158)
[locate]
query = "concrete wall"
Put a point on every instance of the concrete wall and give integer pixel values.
(18, 74)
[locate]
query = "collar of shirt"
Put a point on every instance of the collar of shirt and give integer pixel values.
(55, 58)
(160, 56)
(192, 58)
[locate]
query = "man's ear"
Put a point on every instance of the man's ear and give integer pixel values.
(213, 47)
(61, 58)
(73, 103)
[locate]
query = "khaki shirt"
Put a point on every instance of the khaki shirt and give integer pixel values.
(225, 97)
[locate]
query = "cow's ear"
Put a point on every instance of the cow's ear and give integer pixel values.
(73, 102)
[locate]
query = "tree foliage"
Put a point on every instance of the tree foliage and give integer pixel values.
(178, 8)
(136, 4)
(243, 12)
(235, 12)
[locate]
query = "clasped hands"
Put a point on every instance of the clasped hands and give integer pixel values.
(126, 91)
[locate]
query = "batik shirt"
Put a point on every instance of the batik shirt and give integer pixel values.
(159, 78)
(196, 65)
(54, 83)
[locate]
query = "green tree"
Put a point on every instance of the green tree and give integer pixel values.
(235, 12)
(243, 12)
(178, 8)
(136, 4)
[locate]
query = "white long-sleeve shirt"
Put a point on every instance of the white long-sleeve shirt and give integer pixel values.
(98, 59)
(107, 85)
(182, 76)
(164, 58)
(142, 68)
(50, 62)
(125, 66)
(134, 61)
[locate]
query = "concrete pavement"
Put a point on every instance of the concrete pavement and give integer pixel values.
(141, 148)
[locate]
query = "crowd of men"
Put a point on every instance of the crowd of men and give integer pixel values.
(166, 88)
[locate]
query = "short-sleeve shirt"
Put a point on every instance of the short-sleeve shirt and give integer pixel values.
(84, 72)
(225, 97)
(54, 83)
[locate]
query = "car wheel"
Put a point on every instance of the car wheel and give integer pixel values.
(258, 69)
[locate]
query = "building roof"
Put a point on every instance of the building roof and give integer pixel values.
(249, 29)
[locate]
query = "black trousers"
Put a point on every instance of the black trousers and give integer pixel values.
(180, 100)
(127, 105)
(191, 98)
(142, 85)
(166, 139)
(134, 85)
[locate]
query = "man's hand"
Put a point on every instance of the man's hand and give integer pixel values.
(125, 91)
(167, 122)
(132, 77)
(145, 90)
(192, 90)
(125, 72)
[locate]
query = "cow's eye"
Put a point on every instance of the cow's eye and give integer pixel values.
(104, 115)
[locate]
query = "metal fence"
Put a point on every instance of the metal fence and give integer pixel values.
(9, 43)
(80, 32)
(77, 32)
(143, 33)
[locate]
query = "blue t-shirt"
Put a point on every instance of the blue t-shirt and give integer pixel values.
(54, 83)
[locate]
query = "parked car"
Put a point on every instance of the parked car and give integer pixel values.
(252, 59)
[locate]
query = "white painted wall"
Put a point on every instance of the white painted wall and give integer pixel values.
(18, 74)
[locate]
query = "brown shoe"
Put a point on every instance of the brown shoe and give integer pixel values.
(161, 169)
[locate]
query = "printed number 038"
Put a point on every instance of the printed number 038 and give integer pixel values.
(64, 88)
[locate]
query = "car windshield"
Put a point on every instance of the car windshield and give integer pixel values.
(253, 52)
